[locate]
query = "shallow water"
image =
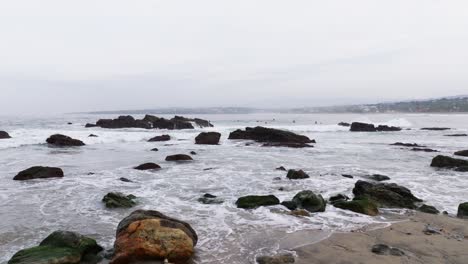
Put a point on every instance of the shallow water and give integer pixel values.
(31, 210)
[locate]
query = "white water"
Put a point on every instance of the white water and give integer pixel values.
(31, 210)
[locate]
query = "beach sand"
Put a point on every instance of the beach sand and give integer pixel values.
(450, 245)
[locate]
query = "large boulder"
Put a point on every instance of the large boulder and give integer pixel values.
(388, 195)
(274, 137)
(254, 201)
(153, 236)
(160, 138)
(208, 138)
(309, 201)
(297, 174)
(39, 172)
(362, 127)
(148, 166)
(178, 157)
(64, 141)
(119, 200)
(363, 206)
(60, 247)
(441, 161)
(4, 135)
(463, 211)
(463, 153)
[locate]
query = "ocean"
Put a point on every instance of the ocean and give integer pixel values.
(30, 210)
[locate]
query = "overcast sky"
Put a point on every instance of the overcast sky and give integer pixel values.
(64, 56)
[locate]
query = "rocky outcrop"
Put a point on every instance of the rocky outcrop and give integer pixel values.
(64, 141)
(463, 153)
(208, 138)
(441, 161)
(254, 201)
(160, 138)
(463, 211)
(272, 137)
(362, 206)
(60, 247)
(178, 157)
(364, 127)
(152, 236)
(4, 135)
(436, 128)
(148, 166)
(388, 195)
(150, 122)
(307, 200)
(297, 174)
(119, 200)
(39, 172)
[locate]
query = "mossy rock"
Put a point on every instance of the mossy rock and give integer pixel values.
(363, 206)
(254, 201)
(46, 255)
(119, 200)
(463, 211)
(310, 201)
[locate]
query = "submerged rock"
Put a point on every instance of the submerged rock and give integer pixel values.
(463, 211)
(297, 174)
(388, 195)
(436, 128)
(362, 206)
(39, 172)
(179, 157)
(424, 149)
(148, 166)
(287, 144)
(60, 247)
(381, 249)
(281, 168)
(278, 259)
(125, 179)
(378, 177)
(208, 138)
(463, 153)
(4, 135)
(254, 201)
(274, 137)
(457, 135)
(407, 145)
(92, 135)
(428, 209)
(441, 161)
(160, 138)
(210, 199)
(153, 236)
(338, 197)
(344, 124)
(347, 176)
(309, 201)
(154, 149)
(64, 141)
(119, 200)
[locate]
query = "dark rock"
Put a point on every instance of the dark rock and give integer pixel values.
(119, 200)
(448, 162)
(60, 247)
(383, 128)
(254, 201)
(378, 177)
(149, 122)
(457, 135)
(347, 176)
(289, 204)
(208, 138)
(281, 168)
(39, 172)
(148, 166)
(297, 174)
(309, 201)
(278, 259)
(160, 138)
(362, 206)
(193, 153)
(91, 173)
(287, 144)
(155, 149)
(207, 169)
(69, 123)
(428, 209)
(125, 179)
(463, 153)
(344, 124)
(64, 141)
(210, 199)
(461, 169)
(381, 249)
(92, 135)
(407, 144)
(270, 135)
(388, 195)
(4, 135)
(463, 211)
(362, 127)
(123, 122)
(435, 128)
(424, 149)
(178, 157)
(199, 122)
(338, 197)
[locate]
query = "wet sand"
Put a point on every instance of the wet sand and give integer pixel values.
(449, 245)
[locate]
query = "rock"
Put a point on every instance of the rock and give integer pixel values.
(150, 122)
(338, 197)
(4, 135)
(160, 138)
(254, 201)
(388, 195)
(92, 135)
(300, 212)
(90, 125)
(428, 209)
(362, 127)
(309, 201)
(64, 141)
(290, 205)
(463, 153)
(210, 199)
(432, 230)
(193, 153)
(462, 169)
(378, 177)
(119, 200)
(381, 249)
(208, 138)
(275, 137)
(178, 157)
(435, 128)
(125, 179)
(60, 247)
(148, 166)
(152, 236)
(287, 144)
(347, 176)
(448, 162)
(154, 149)
(424, 149)
(363, 206)
(383, 128)
(39, 172)
(297, 174)
(407, 144)
(278, 259)
(463, 211)
(457, 135)
(69, 123)
(281, 168)
(344, 124)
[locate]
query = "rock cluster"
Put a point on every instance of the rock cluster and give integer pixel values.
(272, 137)
(64, 141)
(150, 122)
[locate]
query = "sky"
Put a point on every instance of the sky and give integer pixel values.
(67, 56)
